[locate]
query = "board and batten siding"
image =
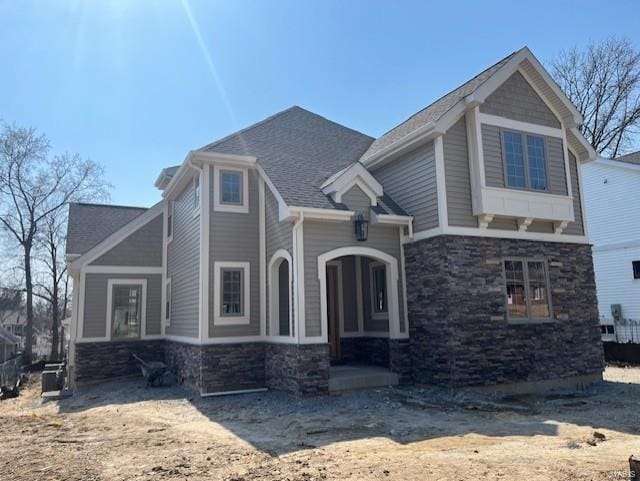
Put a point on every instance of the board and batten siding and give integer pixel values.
(234, 237)
(322, 237)
(356, 200)
(458, 176)
(411, 182)
(183, 266)
(515, 99)
(494, 160)
(142, 248)
(278, 235)
(95, 303)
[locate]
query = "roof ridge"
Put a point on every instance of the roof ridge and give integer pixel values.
(273, 117)
(454, 89)
(118, 206)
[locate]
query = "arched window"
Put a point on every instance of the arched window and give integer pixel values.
(280, 312)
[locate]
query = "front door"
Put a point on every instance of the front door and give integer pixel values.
(332, 312)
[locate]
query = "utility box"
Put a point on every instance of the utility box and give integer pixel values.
(616, 312)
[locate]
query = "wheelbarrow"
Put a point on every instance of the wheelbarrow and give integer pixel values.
(155, 372)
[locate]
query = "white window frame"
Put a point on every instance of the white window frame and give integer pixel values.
(218, 205)
(378, 315)
(218, 318)
(171, 213)
(111, 283)
(167, 299)
(274, 293)
(525, 160)
(197, 195)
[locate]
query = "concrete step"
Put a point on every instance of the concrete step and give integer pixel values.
(348, 378)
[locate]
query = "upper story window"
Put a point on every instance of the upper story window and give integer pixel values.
(231, 189)
(636, 269)
(525, 161)
(528, 290)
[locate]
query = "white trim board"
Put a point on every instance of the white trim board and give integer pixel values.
(496, 233)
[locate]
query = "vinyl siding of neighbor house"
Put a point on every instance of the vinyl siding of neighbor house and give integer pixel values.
(494, 160)
(142, 248)
(95, 303)
(321, 237)
(577, 227)
(411, 182)
(458, 177)
(278, 235)
(234, 237)
(183, 266)
(515, 99)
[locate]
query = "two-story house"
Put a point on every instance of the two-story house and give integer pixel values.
(450, 250)
(612, 197)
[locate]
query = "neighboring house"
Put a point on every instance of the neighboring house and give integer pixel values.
(9, 345)
(451, 250)
(15, 322)
(612, 197)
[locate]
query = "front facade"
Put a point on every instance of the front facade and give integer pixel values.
(612, 194)
(451, 250)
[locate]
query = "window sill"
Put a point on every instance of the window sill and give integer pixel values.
(235, 208)
(517, 322)
(231, 321)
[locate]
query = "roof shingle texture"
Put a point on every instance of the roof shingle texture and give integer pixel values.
(632, 158)
(435, 111)
(90, 224)
(298, 150)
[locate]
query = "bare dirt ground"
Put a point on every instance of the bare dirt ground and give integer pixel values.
(124, 431)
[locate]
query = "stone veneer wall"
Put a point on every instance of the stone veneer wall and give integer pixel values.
(459, 334)
(99, 361)
(300, 369)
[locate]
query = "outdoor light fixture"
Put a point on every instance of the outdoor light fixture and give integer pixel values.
(362, 228)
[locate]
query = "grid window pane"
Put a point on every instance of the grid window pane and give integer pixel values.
(231, 187)
(232, 292)
(516, 292)
(514, 159)
(126, 311)
(538, 290)
(537, 162)
(379, 289)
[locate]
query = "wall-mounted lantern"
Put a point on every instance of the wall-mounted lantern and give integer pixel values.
(362, 228)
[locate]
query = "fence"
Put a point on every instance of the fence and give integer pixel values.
(10, 371)
(627, 330)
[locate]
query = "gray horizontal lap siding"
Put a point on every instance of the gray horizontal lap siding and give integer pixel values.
(494, 160)
(278, 235)
(577, 227)
(411, 182)
(95, 303)
(142, 248)
(321, 237)
(515, 99)
(356, 200)
(458, 177)
(183, 266)
(234, 237)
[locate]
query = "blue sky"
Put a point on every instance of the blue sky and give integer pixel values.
(136, 84)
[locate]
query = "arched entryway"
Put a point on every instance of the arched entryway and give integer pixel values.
(280, 294)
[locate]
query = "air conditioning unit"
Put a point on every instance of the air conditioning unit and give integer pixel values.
(616, 312)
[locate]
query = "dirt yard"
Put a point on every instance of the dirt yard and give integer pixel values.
(124, 431)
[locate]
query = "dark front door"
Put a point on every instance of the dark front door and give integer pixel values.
(333, 319)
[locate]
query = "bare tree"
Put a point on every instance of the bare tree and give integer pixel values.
(603, 82)
(34, 185)
(52, 289)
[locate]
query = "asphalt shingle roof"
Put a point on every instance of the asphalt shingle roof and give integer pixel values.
(90, 224)
(298, 150)
(632, 158)
(435, 111)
